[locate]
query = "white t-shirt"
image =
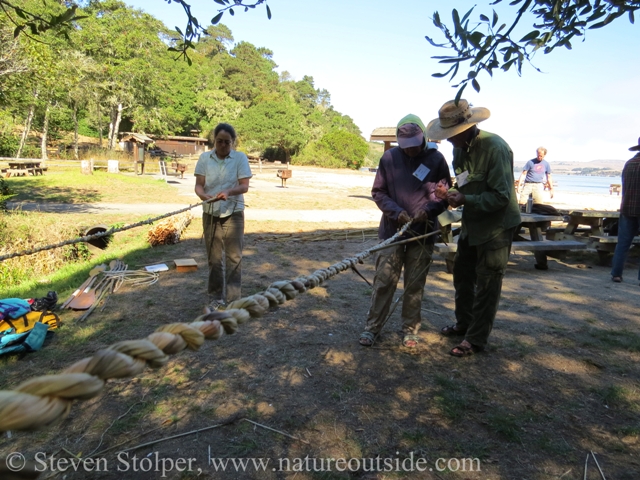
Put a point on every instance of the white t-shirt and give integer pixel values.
(222, 175)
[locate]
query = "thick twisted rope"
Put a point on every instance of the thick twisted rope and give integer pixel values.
(111, 231)
(41, 401)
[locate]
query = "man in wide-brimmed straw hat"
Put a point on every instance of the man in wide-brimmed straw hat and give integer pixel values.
(483, 163)
(406, 188)
(629, 222)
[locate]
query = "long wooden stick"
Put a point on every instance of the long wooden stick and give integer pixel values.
(402, 242)
(226, 422)
(277, 431)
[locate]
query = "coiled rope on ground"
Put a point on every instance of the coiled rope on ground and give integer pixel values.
(41, 401)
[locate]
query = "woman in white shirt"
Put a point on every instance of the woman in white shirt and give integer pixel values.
(222, 175)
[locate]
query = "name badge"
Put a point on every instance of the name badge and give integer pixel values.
(421, 172)
(462, 178)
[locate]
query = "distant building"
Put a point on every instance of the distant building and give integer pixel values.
(384, 134)
(181, 145)
(388, 136)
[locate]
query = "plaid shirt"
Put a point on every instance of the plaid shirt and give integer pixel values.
(630, 206)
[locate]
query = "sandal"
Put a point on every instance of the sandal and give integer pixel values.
(465, 349)
(367, 339)
(616, 279)
(410, 341)
(453, 330)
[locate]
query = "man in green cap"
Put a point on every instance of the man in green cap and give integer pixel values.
(405, 189)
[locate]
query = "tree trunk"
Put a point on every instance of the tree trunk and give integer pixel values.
(116, 127)
(99, 115)
(75, 130)
(112, 122)
(45, 132)
(27, 126)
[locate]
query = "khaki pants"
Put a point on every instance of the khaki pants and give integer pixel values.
(537, 189)
(224, 238)
(416, 259)
(477, 277)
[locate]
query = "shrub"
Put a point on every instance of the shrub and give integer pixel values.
(336, 149)
(347, 147)
(8, 145)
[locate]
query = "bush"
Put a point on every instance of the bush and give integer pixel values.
(336, 149)
(8, 145)
(313, 155)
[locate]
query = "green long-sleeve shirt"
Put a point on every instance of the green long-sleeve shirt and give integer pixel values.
(491, 204)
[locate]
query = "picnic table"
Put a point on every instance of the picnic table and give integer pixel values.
(595, 228)
(535, 224)
(23, 167)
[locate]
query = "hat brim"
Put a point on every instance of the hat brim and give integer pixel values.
(414, 141)
(635, 149)
(436, 132)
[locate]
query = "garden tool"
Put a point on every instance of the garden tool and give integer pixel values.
(85, 285)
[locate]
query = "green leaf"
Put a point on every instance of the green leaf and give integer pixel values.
(231, 12)
(436, 20)
(459, 94)
(456, 22)
(179, 31)
(466, 15)
(268, 12)
(21, 14)
(220, 2)
(484, 18)
(475, 38)
(495, 19)
(631, 16)
(476, 85)
(217, 18)
(17, 30)
(530, 36)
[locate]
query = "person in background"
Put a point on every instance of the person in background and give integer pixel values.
(535, 175)
(223, 174)
(405, 188)
(629, 222)
(483, 163)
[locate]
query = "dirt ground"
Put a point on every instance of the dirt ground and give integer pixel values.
(561, 376)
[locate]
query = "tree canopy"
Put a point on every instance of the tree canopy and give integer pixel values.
(116, 74)
(479, 44)
(489, 44)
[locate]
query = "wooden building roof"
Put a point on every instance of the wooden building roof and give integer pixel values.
(383, 134)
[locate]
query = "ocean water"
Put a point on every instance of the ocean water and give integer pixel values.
(583, 184)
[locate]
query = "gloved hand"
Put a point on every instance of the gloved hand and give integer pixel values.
(403, 218)
(421, 216)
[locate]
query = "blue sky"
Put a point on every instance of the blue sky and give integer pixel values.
(373, 59)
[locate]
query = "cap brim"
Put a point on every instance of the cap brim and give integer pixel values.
(635, 149)
(415, 141)
(436, 132)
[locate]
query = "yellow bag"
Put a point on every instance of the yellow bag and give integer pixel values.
(26, 322)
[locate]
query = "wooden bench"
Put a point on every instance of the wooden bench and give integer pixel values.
(543, 245)
(606, 244)
(555, 233)
(179, 168)
(284, 175)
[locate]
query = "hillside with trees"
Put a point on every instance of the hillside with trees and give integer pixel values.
(117, 70)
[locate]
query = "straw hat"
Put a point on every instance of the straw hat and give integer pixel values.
(454, 119)
(636, 147)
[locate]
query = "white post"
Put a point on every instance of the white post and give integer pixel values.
(86, 167)
(260, 164)
(113, 166)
